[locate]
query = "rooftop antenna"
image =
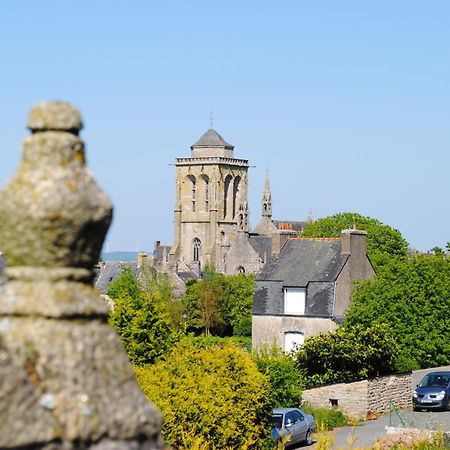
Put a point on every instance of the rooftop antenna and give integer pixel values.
(211, 118)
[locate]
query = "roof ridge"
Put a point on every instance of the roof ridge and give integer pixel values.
(315, 239)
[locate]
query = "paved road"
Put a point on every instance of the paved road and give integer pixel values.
(367, 433)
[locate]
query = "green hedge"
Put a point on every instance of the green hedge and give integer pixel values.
(211, 397)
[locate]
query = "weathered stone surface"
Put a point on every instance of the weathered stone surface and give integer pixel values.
(18, 394)
(383, 392)
(53, 213)
(358, 398)
(65, 381)
(81, 376)
(54, 116)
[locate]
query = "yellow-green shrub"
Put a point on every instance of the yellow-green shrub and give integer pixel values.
(213, 395)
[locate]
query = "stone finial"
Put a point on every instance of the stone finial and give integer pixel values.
(65, 381)
(57, 116)
(53, 213)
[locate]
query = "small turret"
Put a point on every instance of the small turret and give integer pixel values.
(267, 198)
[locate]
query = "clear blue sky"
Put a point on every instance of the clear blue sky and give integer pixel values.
(347, 102)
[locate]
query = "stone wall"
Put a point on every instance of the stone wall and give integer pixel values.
(242, 254)
(358, 398)
(350, 398)
(395, 388)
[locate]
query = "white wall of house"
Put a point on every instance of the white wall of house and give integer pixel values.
(271, 330)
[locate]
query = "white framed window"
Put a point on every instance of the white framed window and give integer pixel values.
(293, 340)
(294, 301)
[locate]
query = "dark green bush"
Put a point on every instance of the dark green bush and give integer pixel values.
(284, 379)
(140, 318)
(347, 354)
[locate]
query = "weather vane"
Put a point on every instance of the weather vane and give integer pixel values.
(211, 119)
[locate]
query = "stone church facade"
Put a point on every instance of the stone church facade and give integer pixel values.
(211, 203)
(211, 216)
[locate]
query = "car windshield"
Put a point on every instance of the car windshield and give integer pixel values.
(433, 380)
(277, 420)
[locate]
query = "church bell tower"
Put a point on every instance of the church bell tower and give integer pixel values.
(211, 202)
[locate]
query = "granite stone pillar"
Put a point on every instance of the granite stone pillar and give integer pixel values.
(65, 381)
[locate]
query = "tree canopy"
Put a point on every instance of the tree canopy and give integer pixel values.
(139, 316)
(383, 241)
(413, 298)
(348, 354)
(220, 305)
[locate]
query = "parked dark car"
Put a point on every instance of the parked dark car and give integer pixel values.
(293, 425)
(433, 392)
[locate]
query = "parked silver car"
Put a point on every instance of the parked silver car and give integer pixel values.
(294, 425)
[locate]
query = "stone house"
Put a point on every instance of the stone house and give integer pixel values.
(306, 289)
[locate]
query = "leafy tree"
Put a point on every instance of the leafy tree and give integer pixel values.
(202, 301)
(219, 304)
(284, 379)
(139, 318)
(237, 303)
(347, 354)
(413, 298)
(383, 242)
(211, 396)
(437, 251)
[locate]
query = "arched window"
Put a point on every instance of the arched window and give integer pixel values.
(236, 196)
(227, 200)
(241, 222)
(293, 340)
(240, 269)
(192, 181)
(197, 247)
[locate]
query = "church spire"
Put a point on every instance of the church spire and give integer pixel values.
(267, 198)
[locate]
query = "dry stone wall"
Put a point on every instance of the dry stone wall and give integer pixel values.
(393, 388)
(351, 398)
(358, 398)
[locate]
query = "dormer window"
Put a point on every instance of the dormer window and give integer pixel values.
(294, 301)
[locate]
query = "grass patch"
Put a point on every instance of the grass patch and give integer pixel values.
(326, 418)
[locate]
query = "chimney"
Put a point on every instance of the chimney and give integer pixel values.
(157, 244)
(141, 259)
(353, 242)
(279, 239)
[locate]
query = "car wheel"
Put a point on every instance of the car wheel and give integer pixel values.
(308, 438)
(448, 405)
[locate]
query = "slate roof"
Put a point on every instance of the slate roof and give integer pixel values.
(159, 251)
(109, 271)
(304, 260)
(212, 139)
(188, 275)
(261, 244)
(311, 263)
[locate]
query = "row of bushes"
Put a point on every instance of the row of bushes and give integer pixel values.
(216, 395)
